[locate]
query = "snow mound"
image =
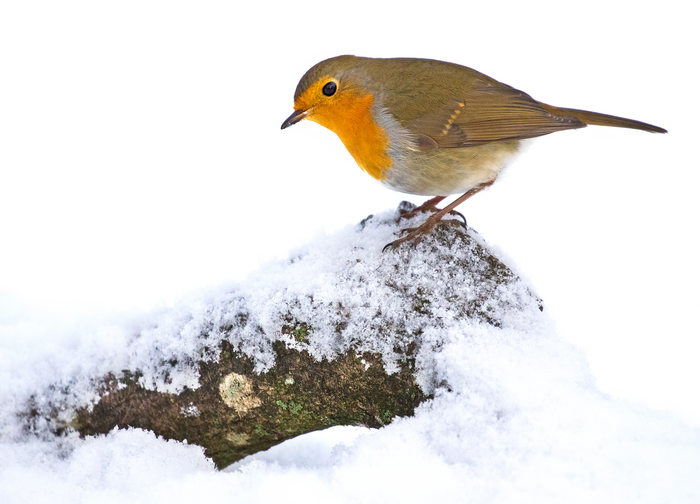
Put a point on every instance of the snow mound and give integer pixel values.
(515, 417)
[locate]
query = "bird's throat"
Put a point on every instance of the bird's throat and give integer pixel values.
(351, 118)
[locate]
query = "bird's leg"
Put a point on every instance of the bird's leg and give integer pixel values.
(428, 206)
(428, 226)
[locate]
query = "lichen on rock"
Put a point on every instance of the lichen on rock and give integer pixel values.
(237, 392)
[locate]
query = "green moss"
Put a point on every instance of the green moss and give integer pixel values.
(294, 408)
(260, 431)
(281, 404)
(301, 333)
(386, 418)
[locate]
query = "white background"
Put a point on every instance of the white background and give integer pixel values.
(141, 159)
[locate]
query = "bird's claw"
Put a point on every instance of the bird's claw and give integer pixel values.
(418, 233)
(459, 214)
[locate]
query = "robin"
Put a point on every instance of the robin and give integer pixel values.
(429, 127)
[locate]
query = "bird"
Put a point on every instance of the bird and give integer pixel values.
(429, 127)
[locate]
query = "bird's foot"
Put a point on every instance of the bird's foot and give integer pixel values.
(408, 211)
(417, 234)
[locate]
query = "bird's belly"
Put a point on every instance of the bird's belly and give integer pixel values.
(442, 172)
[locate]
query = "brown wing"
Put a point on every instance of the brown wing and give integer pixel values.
(488, 112)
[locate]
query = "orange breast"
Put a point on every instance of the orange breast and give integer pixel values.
(349, 117)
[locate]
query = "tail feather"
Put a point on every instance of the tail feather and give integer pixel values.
(596, 119)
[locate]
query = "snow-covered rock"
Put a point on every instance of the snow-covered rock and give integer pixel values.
(510, 411)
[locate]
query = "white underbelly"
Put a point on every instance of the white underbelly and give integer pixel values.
(442, 172)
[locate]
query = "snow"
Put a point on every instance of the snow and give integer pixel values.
(516, 414)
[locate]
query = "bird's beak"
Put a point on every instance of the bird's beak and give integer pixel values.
(297, 116)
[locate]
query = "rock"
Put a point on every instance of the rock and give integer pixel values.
(341, 334)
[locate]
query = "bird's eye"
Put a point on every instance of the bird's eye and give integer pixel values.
(329, 88)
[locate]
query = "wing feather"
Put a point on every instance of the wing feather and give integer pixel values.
(488, 112)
